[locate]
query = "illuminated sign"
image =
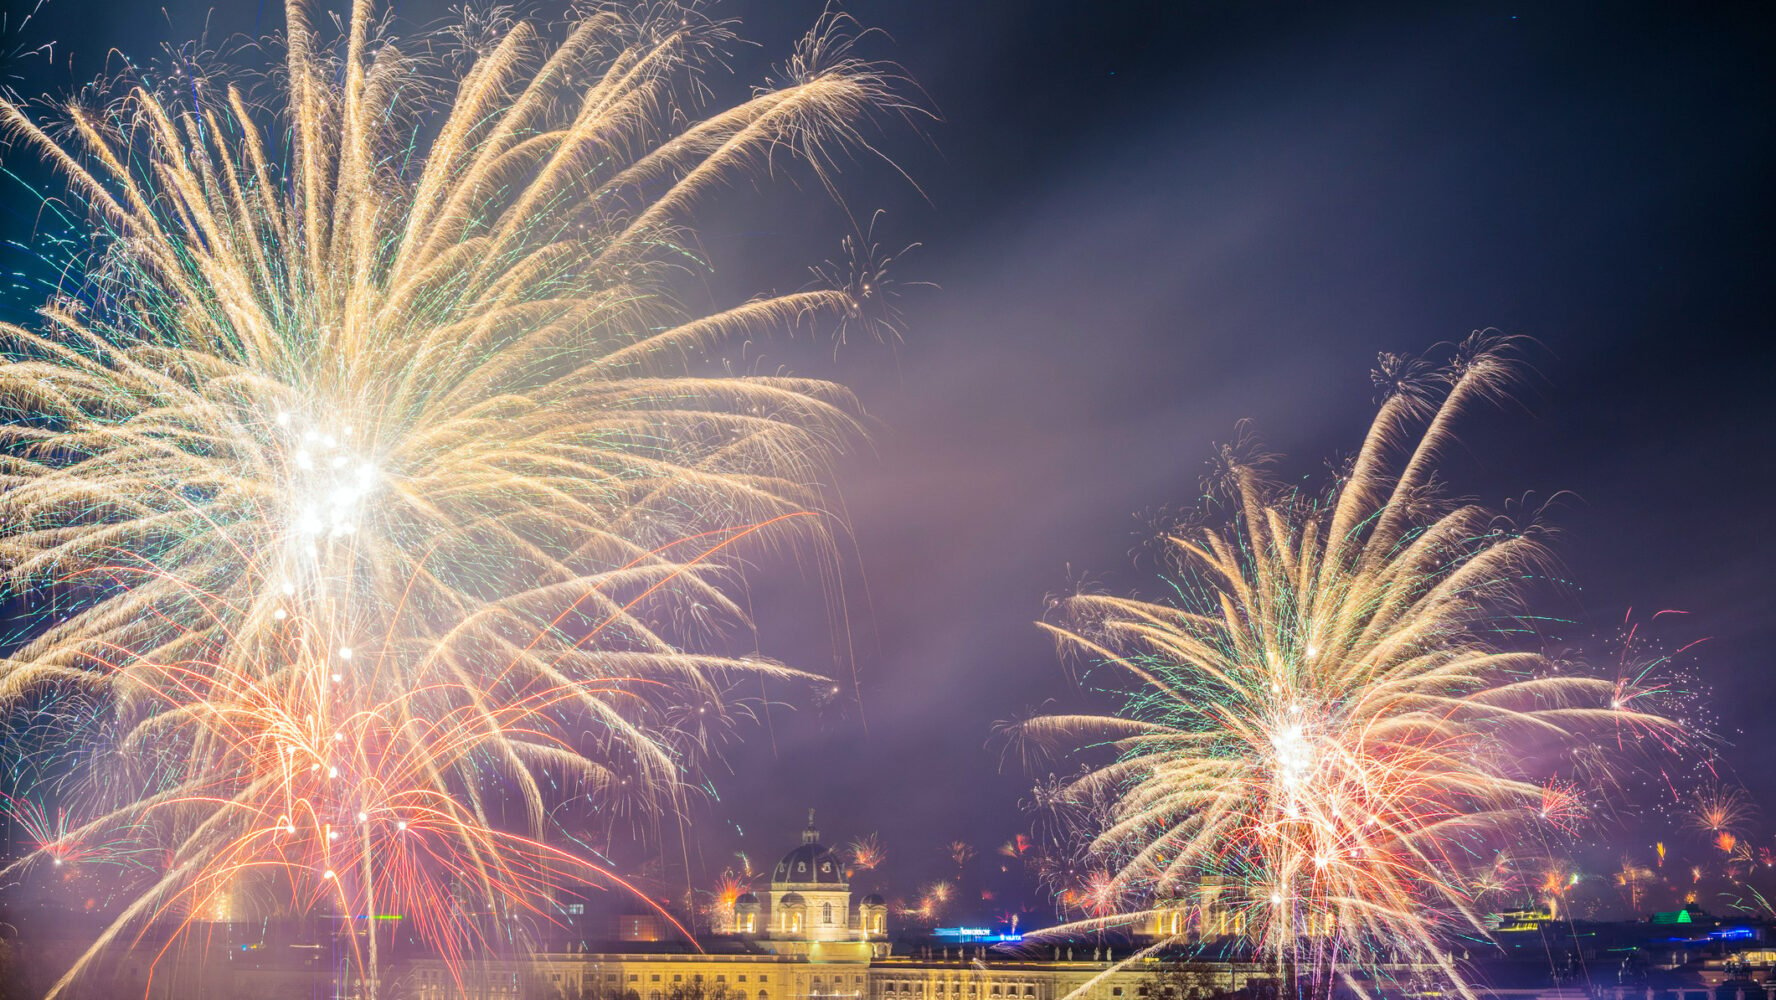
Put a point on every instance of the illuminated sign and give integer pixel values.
(975, 935)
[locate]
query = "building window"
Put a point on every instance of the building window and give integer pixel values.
(826, 913)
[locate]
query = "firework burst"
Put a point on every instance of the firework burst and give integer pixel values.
(865, 854)
(47, 834)
(1325, 727)
(1719, 811)
(719, 909)
(1099, 894)
(934, 898)
(364, 473)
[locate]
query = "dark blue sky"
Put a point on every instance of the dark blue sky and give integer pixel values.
(1144, 222)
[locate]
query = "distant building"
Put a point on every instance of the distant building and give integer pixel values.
(809, 912)
(804, 939)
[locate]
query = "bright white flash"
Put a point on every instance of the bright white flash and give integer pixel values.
(329, 484)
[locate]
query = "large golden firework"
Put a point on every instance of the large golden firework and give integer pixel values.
(1326, 728)
(381, 477)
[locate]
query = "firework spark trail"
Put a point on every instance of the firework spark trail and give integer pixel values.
(366, 471)
(1323, 725)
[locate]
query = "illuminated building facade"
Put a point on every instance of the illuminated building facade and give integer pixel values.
(803, 939)
(809, 909)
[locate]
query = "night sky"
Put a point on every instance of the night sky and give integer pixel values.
(1141, 223)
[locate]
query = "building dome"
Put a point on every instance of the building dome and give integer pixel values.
(746, 899)
(873, 900)
(810, 863)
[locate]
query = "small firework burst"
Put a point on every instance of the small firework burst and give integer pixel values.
(865, 854)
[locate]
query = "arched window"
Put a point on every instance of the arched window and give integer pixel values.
(826, 913)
